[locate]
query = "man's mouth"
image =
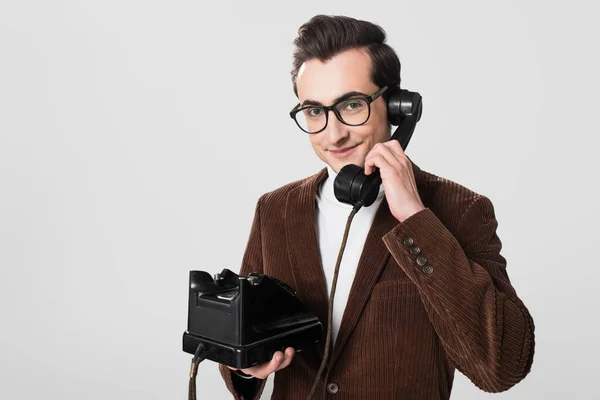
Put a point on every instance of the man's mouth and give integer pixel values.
(343, 152)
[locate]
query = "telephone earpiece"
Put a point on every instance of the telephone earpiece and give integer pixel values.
(404, 106)
(351, 185)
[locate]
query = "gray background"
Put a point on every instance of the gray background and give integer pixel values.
(136, 137)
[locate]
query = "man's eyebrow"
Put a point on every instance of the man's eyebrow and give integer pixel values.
(342, 97)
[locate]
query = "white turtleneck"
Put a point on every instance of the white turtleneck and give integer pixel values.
(332, 216)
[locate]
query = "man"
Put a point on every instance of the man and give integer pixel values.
(422, 286)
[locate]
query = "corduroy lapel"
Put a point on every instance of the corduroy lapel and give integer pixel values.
(305, 257)
(372, 260)
(303, 249)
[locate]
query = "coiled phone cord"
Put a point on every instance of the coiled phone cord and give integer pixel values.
(357, 207)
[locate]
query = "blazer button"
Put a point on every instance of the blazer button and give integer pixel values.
(408, 241)
(421, 260)
(415, 250)
(428, 269)
(332, 388)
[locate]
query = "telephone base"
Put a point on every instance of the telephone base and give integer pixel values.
(257, 352)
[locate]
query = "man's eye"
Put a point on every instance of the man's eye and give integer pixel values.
(313, 112)
(353, 105)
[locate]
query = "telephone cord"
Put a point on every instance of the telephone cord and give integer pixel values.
(331, 297)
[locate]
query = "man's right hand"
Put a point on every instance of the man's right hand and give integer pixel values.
(262, 371)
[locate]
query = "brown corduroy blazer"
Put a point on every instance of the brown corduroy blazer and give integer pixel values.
(407, 324)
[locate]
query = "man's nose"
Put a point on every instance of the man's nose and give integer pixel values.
(335, 130)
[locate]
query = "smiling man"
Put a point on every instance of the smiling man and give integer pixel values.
(422, 287)
(335, 82)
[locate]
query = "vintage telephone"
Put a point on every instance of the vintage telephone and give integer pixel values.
(245, 319)
(241, 321)
(351, 185)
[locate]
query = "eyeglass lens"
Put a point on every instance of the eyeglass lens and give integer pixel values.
(351, 111)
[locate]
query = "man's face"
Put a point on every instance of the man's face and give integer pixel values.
(324, 82)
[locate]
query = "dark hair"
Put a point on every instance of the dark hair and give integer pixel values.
(325, 36)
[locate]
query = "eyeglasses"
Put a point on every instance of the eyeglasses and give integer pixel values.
(352, 111)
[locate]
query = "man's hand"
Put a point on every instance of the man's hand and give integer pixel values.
(397, 178)
(279, 361)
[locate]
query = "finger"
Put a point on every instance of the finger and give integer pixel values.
(391, 157)
(369, 163)
(235, 369)
(262, 371)
(376, 160)
(289, 355)
(386, 152)
(403, 158)
(400, 163)
(276, 361)
(395, 146)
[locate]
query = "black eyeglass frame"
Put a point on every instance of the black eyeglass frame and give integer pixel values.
(368, 99)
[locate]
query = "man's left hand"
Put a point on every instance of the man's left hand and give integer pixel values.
(397, 177)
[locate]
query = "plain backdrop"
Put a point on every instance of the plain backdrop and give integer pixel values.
(136, 137)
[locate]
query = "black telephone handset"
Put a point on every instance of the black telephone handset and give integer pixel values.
(351, 185)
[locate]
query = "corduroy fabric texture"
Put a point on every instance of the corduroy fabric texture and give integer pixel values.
(408, 323)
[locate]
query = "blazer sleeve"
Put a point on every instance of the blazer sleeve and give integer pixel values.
(251, 262)
(485, 329)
